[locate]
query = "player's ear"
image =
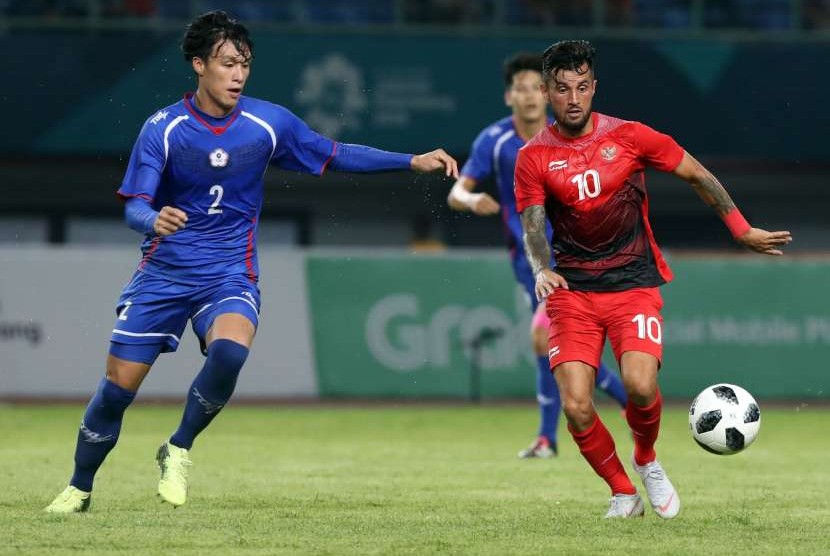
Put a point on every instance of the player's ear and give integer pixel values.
(198, 66)
(507, 97)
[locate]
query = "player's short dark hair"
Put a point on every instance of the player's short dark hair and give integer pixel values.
(206, 30)
(567, 55)
(523, 61)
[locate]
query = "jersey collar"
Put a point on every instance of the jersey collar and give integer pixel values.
(222, 124)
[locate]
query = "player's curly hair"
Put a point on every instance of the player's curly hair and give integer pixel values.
(567, 55)
(203, 33)
(523, 61)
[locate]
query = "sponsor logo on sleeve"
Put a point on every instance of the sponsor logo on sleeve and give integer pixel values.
(162, 114)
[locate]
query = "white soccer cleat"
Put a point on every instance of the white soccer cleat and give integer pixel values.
(70, 501)
(625, 505)
(661, 492)
(173, 463)
(539, 448)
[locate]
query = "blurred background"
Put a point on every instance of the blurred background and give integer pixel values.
(741, 84)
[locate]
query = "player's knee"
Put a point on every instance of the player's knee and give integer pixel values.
(227, 355)
(126, 374)
(641, 392)
(579, 412)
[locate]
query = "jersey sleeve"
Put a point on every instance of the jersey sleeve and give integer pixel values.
(480, 164)
(657, 149)
(299, 148)
(146, 164)
(529, 180)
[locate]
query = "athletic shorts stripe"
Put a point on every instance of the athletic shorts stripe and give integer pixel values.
(145, 334)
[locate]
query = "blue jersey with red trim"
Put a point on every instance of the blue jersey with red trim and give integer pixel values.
(494, 153)
(213, 170)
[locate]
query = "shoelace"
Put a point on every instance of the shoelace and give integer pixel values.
(656, 473)
(658, 476)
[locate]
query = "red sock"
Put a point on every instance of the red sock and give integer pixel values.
(597, 447)
(645, 424)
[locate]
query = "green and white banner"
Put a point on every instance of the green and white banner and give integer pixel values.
(762, 323)
(403, 326)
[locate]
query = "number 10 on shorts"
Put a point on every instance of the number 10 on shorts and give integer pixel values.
(648, 327)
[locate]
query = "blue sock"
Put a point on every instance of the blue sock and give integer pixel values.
(547, 393)
(99, 431)
(610, 383)
(211, 390)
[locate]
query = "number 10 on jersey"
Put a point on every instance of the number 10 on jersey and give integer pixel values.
(588, 184)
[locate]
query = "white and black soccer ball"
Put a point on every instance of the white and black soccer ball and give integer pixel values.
(724, 419)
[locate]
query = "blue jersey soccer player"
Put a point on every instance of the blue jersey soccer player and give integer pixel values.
(194, 187)
(494, 152)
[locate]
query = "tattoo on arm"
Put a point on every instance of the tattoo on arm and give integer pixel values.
(712, 192)
(536, 241)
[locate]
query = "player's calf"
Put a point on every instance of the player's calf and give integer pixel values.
(210, 390)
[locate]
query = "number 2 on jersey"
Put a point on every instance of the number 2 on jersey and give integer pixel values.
(217, 190)
(123, 314)
(588, 184)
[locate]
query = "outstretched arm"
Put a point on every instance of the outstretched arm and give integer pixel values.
(538, 252)
(299, 148)
(360, 158)
(713, 194)
(462, 198)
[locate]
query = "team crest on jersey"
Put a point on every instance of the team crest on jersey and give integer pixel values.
(608, 152)
(218, 158)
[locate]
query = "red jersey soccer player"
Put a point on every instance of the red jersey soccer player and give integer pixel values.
(586, 174)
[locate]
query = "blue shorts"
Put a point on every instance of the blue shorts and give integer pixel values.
(153, 312)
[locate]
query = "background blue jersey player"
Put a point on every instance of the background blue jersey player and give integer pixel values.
(194, 187)
(494, 153)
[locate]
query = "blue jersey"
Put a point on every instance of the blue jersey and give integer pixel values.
(494, 154)
(213, 170)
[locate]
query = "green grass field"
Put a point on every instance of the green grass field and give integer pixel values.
(406, 480)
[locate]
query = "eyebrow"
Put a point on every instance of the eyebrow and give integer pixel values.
(583, 82)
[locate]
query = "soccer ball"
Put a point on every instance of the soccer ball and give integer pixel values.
(724, 419)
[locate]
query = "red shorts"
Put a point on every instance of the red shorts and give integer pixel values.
(581, 320)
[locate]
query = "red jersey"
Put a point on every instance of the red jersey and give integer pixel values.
(593, 189)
